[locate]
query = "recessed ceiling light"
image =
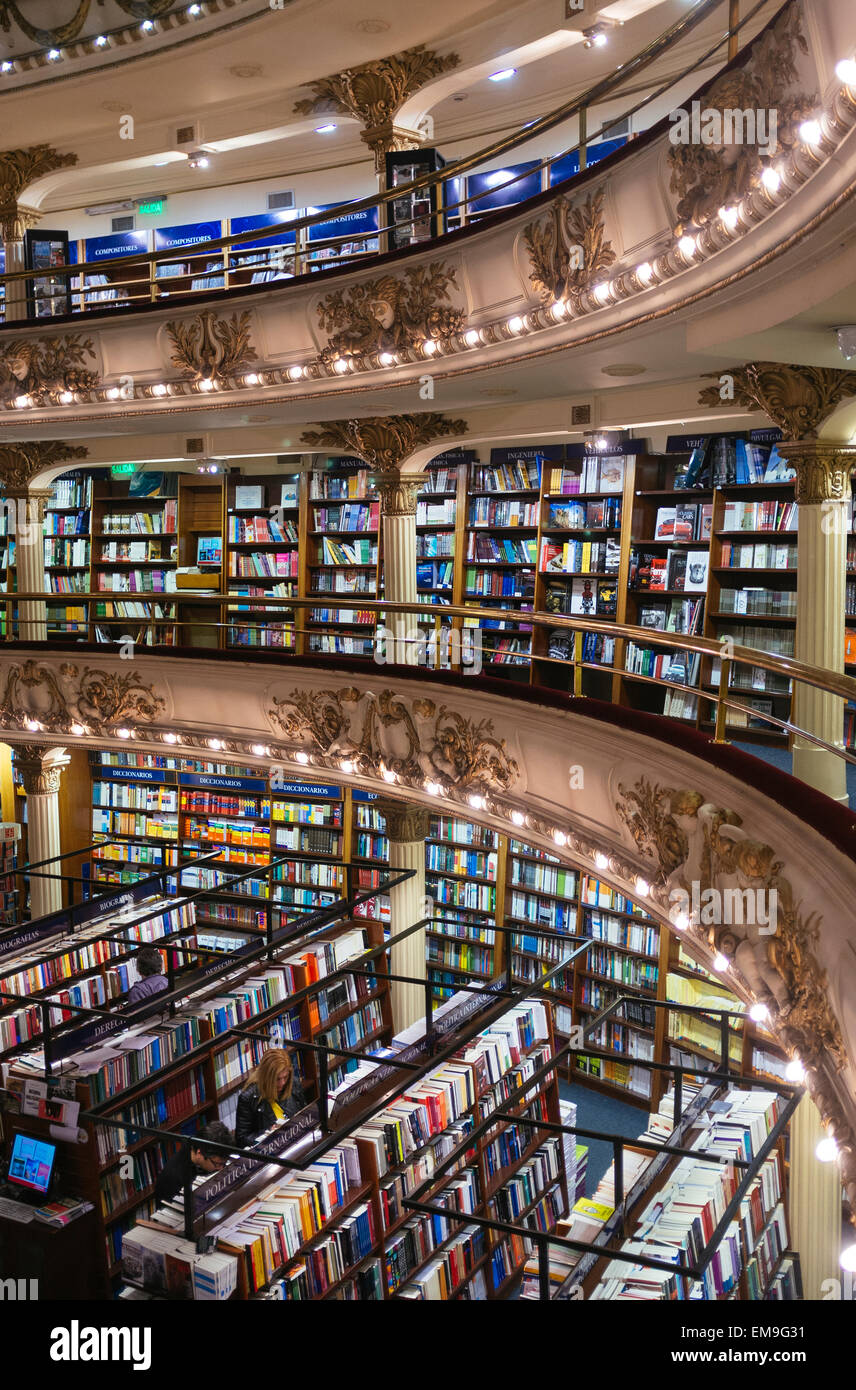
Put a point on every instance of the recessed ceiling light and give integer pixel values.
(623, 369)
(503, 75)
(770, 179)
(194, 10)
(147, 26)
(54, 55)
(373, 26)
(325, 129)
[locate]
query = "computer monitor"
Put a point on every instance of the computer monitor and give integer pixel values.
(32, 1163)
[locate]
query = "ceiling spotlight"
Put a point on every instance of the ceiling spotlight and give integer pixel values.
(113, 393)
(601, 861)
(347, 766)
(66, 398)
(194, 10)
(22, 402)
(687, 247)
(123, 733)
(517, 818)
(159, 389)
(206, 384)
(759, 1013)
(260, 750)
(170, 738)
(720, 962)
(386, 359)
(478, 803)
(198, 160)
(595, 36)
(100, 41)
(6, 66)
(728, 217)
(811, 132)
(601, 443)
(216, 743)
(770, 179)
(515, 325)
(78, 730)
(388, 775)
(325, 129)
(645, 272)
(558, 308)
(147, 26)
(503, 75)
(251, 379)
(54, 55)
(826, 1150)
(845, 71)
(433, 788)
(340, 366)
(560, 837)
(680, 922)
(213, 468)
(301, 757)
(795, 1071)
(32, 724)
(472, 338)
(429, 347)
(295, 373)
(643, 887)
(601, 292)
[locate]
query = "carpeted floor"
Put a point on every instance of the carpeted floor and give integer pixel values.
(598, 1111)
(781, 758)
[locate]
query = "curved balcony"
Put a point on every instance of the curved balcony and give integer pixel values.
(647, 237)
(653, 808)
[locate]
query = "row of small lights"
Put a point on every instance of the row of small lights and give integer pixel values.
(645, 276)
(147, 26)
(827, 1149)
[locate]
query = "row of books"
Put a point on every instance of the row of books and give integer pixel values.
(688, 521)
(774, 603)
(484, 511)
(284, 563)
(66, 524)
(677, 569)
(464, 862)
(673, 615)
(440, 513)
(141, 798)
(501, 550)
(595, 473)
(350, 517)
(132, 581)
(484, 584)
(358, 552)
(769, 515)
(261, 530)
(67, 553)
(600, 514)
(123, 523)
(521, 475)
(70, 492)
(341, 484)
(759, 555)
(579, 557)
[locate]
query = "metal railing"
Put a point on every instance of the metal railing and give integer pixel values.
(149, 278)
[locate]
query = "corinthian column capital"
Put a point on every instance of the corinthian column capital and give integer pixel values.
(405, 824)
(41, 767)
(823, 469)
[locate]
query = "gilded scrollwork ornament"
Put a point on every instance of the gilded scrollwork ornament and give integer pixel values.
(797, 399)
(209, 347)
(21, 463)
(384, 441)
(390, 313)
(46, 368)
(57, 700)
(568, 249)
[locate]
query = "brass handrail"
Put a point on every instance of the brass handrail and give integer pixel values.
(598, 91)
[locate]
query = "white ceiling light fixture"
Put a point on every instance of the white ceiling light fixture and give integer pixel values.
(515, 324)
(687, 247)
(729, 218)
(771, 179)
(260, 750)
(6, 66)
(429, 347)
(795, 1071)
(433, 788)
(301, 758)
(560, 837)
(198, 160)
(472, 338)
(326, 129)
(558, 309)
(644, 273)
(53, 55)
(602, 292)
(295, 373)
(386, 359)
(503, 75)
(147, 26)
(478, 803)
(826, 1150)
(811, 132)
(721, 962)
(759, 1013)
(517, 818)
(22, 402)
(160, 389)
(66, 398)
(251, 379)
(100, 41)
(207, 384)
(601, 861)
(194, 11)
(340, 366)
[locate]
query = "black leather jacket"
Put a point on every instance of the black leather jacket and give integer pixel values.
(255, 1115)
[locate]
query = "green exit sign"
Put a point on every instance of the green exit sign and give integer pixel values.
(122, 470)
(153, 207)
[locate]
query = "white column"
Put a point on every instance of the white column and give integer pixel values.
(822, 491)
(407, 828)
(814, 1204)
(30, 564)
(398, 511)
(41, 768)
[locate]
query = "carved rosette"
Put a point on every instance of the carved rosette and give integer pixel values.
(568, 249)
(20, 463)
(390, 313)
(58, 699)
(384, 441)
(44, 368)
(823, 470)
(405, 824)
(797, 399)
(41, 768)
(211, 348)
(387, 732)
(374, 92)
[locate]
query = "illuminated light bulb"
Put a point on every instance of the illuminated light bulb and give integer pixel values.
(728, 217)
(388, 775)
(295, 373)
(206, 384)
(795, 1071)
(599, 40)
(340, 365)
(100, 41)
(643, 887)
(301, 757)
(159, 389)
(473, 338)
(54, 55)
(429, 347)
(6, 67)
(147, 26)
(845, 71)
(346, 765)
(601, 443)
(558, 309)
(170, 738)
(645, 272)
(478, 803)
(123, 733)
(260, 750)
(32, 725)
(325, 129)
(113, 393)
(601, 861)
(194, 10)
(847, 1258)
(386, 359)
(251, 379)
(78, 730)
(770, 179)
(602, 292)
(811, 132)
(503, 75)
(21, 402)
(826, 1150)
(687, 247)
(560, 837)
(681, 922)
(216, 743)
(518, 818)
(66, 398)
(759, 1013)
(721, 962)
(515, 325)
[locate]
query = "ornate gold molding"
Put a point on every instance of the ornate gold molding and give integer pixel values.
(384, 441)
(41, 767)
(374, 92)
(398, 495)
(567, 248)
(18, 169)
(409, 737)
(210, 348)
(49, 38)
(823, 469)
(58, 699)
(405, 824)
(44, 368)
(797, 399)
(20, 463)
(390, 313)
(708, 176)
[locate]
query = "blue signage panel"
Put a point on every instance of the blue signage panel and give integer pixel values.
(79, 916)
(595, 153)
(564, 168)
(135, 774)
(359, 795)
(453, 456)
(550, 452)
(265, 219)
(312, 790)
(190, 234)
(771, 435)
(685, 443)
(486, 190)
(218, 782)
(349, 224)
(121, 244)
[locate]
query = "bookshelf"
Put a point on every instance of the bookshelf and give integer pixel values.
(309, 829)
(343, 558)
(67, 551)
(10, 836)
(134, 551)
(464, 876)
(266, 516)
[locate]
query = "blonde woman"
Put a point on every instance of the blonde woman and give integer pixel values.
(272, 1093)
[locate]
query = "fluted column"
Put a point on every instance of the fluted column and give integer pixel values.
(16, 220)
(30, 563)
(407, 829)
(814, 1203)
(398, 512)
(41, 767)
(822, 493)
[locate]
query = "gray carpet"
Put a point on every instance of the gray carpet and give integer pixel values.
(781, 758)
(596, 1110)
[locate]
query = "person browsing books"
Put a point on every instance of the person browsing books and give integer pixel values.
(193, 1162)
(151, 980)
(273, 1092)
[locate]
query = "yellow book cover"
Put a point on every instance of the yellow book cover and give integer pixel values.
(599, 1211)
